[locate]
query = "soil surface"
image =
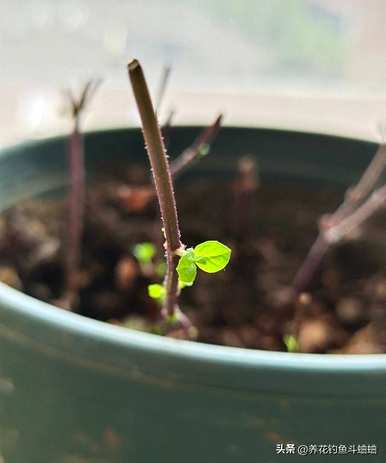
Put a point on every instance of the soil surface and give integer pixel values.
(270, 228)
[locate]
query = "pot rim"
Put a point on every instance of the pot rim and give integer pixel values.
(30, 308)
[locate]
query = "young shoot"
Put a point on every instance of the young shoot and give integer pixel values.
(209, 256)
(291, 343)
(144, 252)
(156, 291)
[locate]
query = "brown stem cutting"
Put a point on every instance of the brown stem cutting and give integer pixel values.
(162, 180)
(349, 215)
(76, 198)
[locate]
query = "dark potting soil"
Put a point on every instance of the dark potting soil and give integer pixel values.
(270, 229)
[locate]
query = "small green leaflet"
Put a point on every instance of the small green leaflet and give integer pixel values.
(186, 268)
(212, 256)
(156, 291)
(291, 343)
(144, 252)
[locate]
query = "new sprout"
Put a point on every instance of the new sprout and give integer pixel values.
(291, 343)
(156, 291)
(210, 256)
(144, 252)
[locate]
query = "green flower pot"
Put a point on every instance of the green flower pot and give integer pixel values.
(75, 390)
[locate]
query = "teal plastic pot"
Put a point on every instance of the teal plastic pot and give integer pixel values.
(75, 390)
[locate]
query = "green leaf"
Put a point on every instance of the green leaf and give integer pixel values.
(212, 256)
(187, 269)
(156, 291)
(144, 252)
(181, 285)
(291, 343)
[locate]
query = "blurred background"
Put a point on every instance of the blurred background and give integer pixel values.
(304, 64)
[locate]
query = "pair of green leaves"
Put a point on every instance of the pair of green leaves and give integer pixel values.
(210, 256)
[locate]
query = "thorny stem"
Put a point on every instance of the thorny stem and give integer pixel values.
(76, 197)
(194, 151)
(162, 180)
(347, 217)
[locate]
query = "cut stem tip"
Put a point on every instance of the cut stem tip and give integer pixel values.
(133, 64)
